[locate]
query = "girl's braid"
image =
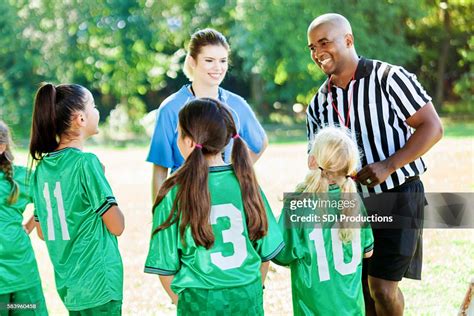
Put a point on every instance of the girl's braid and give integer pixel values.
(7, 168)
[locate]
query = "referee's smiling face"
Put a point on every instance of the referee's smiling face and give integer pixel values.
(327, 47)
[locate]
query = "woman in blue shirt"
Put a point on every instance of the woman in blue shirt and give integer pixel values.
(206, 65)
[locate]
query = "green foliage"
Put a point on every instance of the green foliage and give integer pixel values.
(19, 61)
(129, 53)
(464, 87)
(444, 22)
(271, 39)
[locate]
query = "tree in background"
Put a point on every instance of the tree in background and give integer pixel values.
(116, 48)
(443, 41)
(272, 42)
(129, 53)
(19, 64)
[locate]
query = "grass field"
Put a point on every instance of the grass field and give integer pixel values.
(448, 254)
(280, 134)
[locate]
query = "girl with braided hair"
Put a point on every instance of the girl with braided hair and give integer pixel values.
(19, 278)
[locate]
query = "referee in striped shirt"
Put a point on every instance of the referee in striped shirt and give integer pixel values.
(381, 104)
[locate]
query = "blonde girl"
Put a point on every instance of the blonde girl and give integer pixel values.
(326, 259)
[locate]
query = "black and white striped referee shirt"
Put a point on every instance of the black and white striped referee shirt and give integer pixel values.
(382, 97)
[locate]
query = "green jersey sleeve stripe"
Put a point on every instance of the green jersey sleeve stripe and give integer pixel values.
(159, 271)
(369, 248)
(280, 263)
(109, 201)
(274, 253)
(102, 206)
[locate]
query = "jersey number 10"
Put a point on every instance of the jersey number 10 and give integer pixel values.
(337, 252)
(62, 214)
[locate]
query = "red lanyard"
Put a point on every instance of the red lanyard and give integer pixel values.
(341, 118)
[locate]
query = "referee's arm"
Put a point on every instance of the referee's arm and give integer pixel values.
(428, 131)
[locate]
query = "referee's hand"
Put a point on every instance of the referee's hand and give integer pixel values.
(374, 173)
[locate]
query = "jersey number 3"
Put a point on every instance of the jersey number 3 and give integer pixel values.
(233, 235)
(62, 214)
(338, 253)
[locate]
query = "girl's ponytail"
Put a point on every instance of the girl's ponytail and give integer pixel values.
(315, 181)
(193, 194)
(43, 128)
(348, 185)
(351, 198)
(254, 207)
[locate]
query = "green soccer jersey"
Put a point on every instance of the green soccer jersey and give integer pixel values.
(232, 261)
(325, 272)
(18, 269)
(71, 194)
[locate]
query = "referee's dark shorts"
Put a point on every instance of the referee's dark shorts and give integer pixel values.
(397, 251)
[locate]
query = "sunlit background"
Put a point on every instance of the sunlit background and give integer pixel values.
(129, 54)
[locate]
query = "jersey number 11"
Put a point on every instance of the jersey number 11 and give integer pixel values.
(60, 206)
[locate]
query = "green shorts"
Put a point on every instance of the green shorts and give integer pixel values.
(112, 308)
(24, 303)
(243, 300)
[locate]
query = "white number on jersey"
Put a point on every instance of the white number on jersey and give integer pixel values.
(62, 214)
(337, 252)
(233, 235)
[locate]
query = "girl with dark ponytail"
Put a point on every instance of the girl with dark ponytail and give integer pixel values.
(74, 203)
(213, 230)
(19, 278)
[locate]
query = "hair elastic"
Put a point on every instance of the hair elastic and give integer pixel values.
(323, 173)
(198, 146)
(347, 176)
(236, 135)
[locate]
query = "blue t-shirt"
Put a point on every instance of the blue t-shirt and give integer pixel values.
(164, 147)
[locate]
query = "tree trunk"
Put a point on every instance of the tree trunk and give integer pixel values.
(257, 93)
(443, 58)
